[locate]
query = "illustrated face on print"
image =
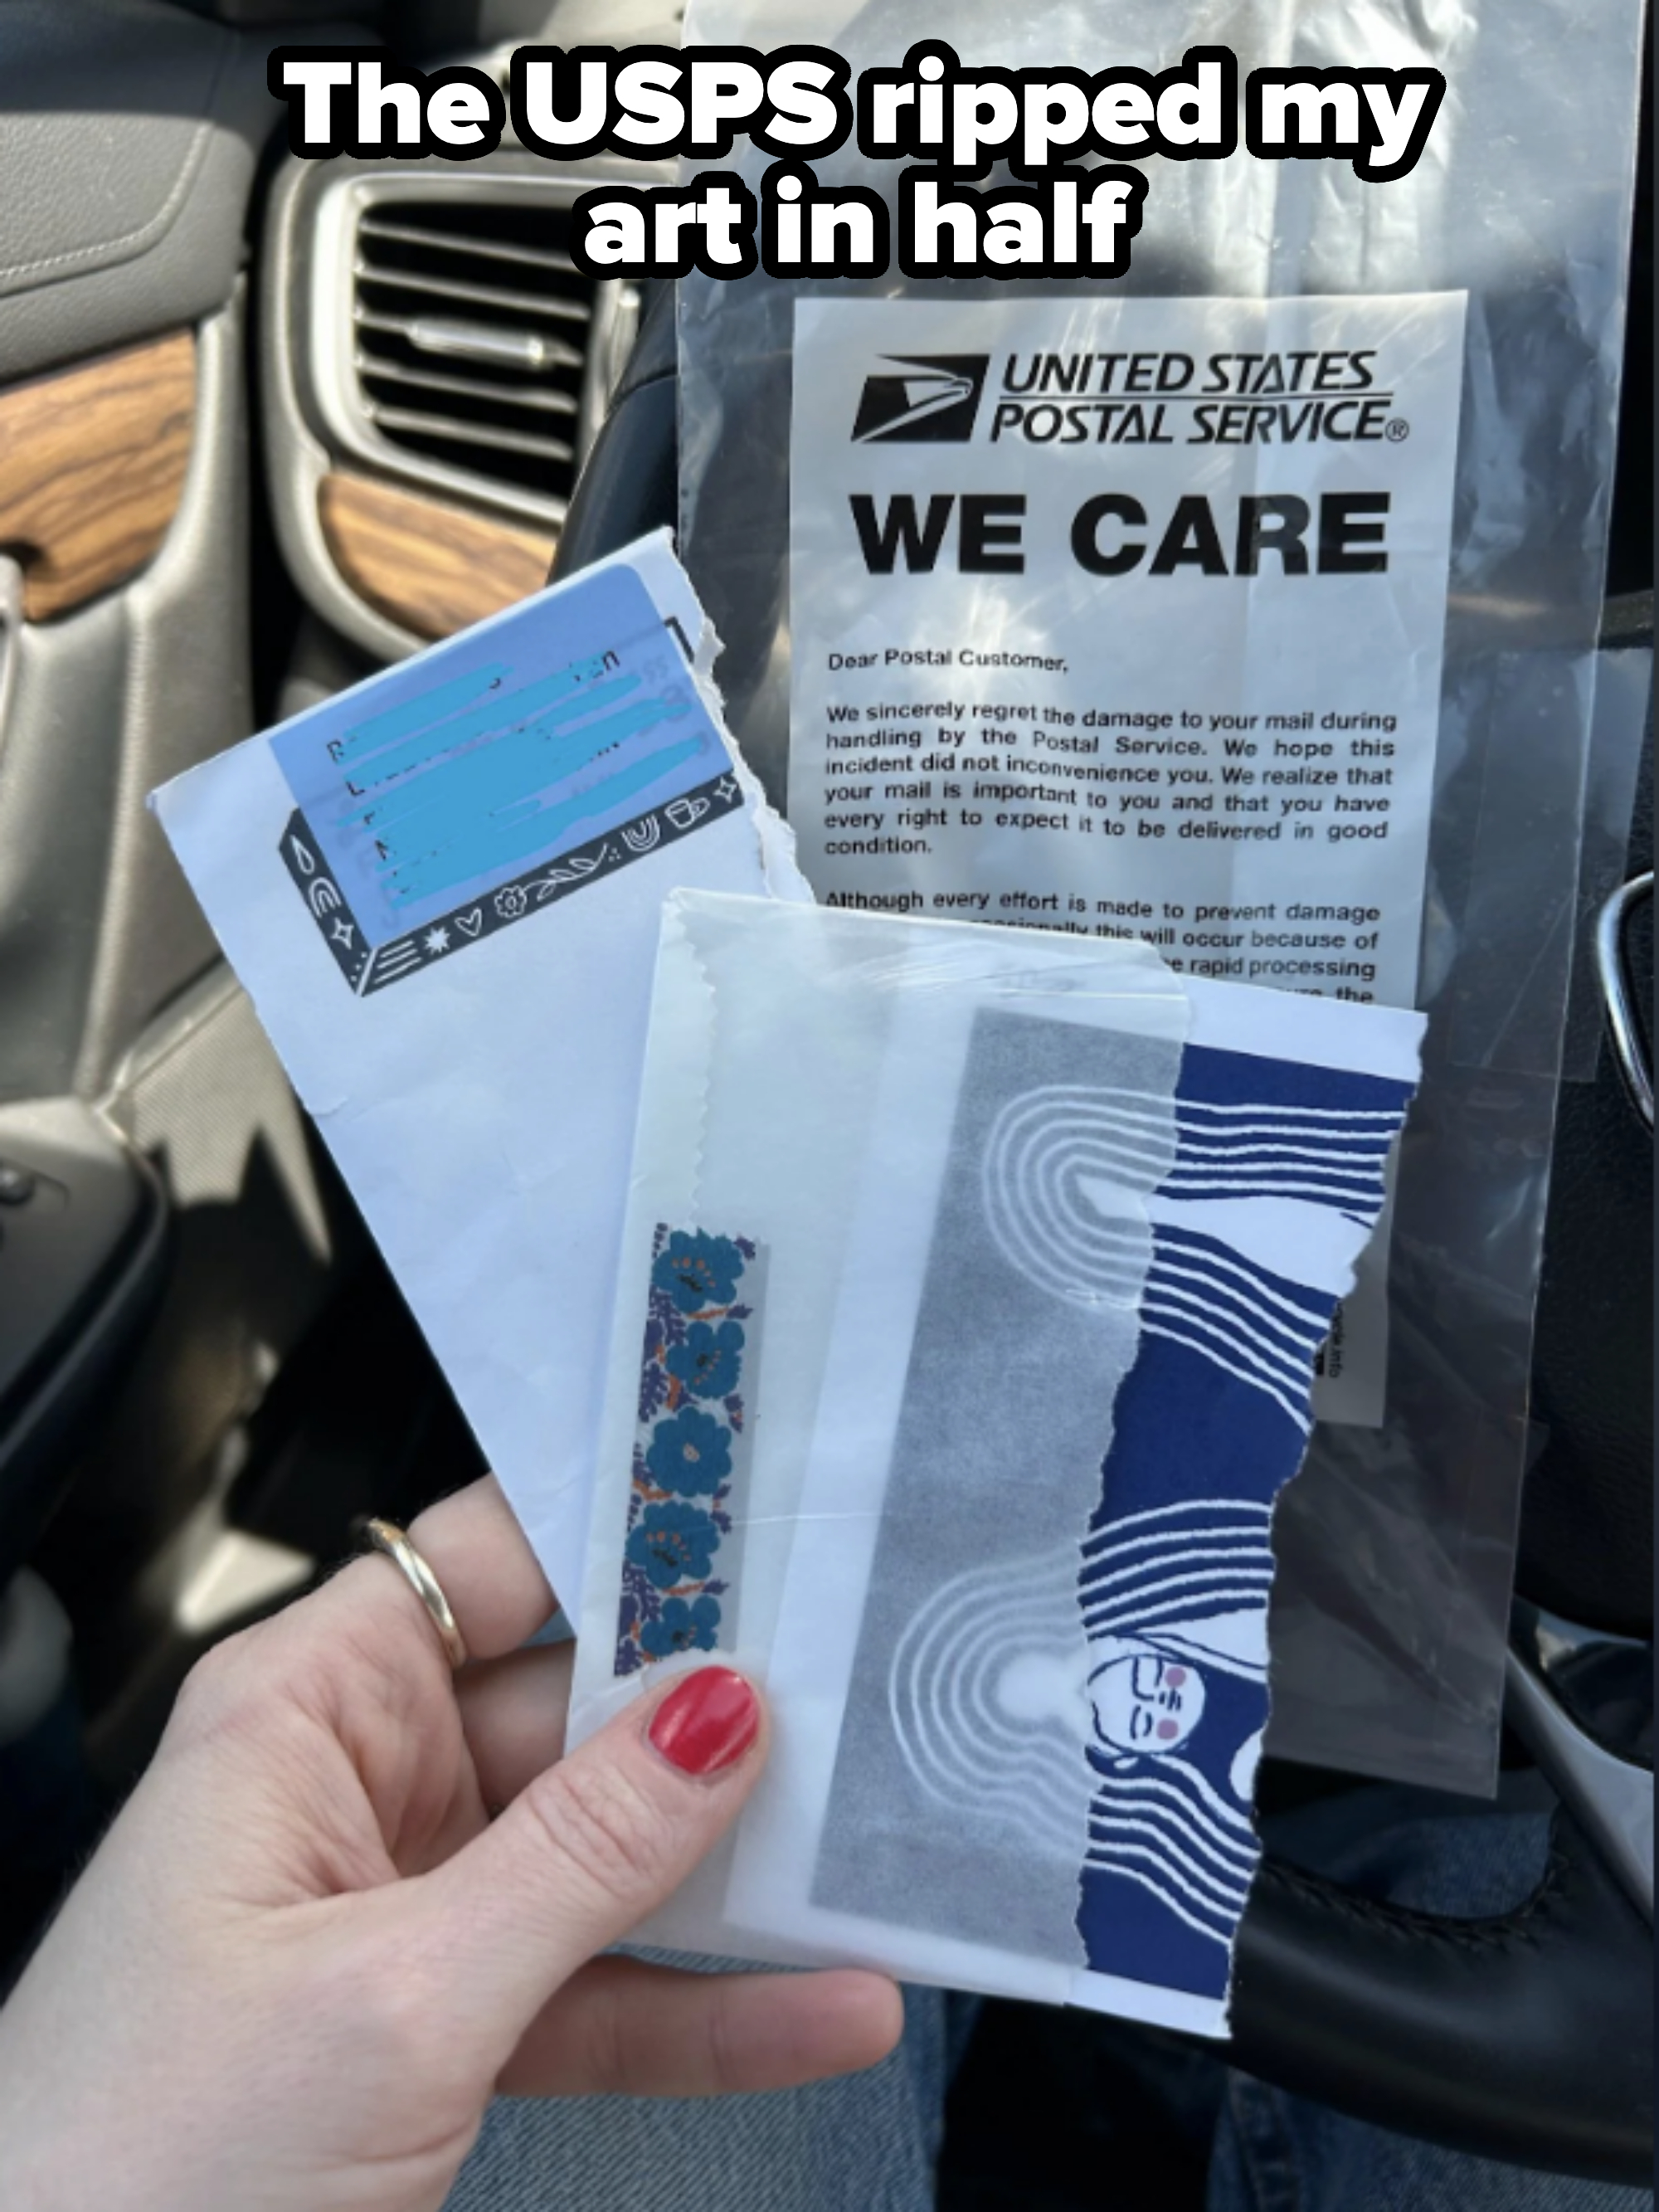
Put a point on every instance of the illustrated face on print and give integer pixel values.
(1145, 1704)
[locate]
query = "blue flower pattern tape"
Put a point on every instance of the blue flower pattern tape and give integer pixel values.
(694, 1409)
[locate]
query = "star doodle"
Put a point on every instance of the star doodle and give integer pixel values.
(437, 940)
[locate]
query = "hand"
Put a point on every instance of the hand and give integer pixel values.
(305, 1955)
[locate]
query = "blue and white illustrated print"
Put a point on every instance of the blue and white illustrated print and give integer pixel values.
(1175, 1599)
(503, 772)
(1277, 1183)
(1144, 1280)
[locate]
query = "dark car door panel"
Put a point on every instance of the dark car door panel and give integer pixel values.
(180, 1240)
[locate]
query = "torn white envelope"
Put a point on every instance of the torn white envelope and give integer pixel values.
(442, 891)
(965, 1326)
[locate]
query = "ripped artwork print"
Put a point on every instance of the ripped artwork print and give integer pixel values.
(1277, 1183)
(1085, 1719)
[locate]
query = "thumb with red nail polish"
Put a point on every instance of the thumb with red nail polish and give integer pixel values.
(707, 1722)
(587, 1851)
(597, 1842)
(306, 1959)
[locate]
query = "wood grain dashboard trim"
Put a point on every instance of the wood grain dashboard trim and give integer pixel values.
(91, 466)
(430, 566)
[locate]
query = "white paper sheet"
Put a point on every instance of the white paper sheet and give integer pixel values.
(475, 1081)
(766, 1076)
(842, 1499)
(806, 1085)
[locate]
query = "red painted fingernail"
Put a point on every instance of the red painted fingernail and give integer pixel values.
(707, 1722)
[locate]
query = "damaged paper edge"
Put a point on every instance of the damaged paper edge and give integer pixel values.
(773, 1890)
(1197, 2011)
(779, 863)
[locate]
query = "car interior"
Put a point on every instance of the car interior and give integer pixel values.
(267, 425)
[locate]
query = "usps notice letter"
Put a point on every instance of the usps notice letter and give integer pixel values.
(1125, 615)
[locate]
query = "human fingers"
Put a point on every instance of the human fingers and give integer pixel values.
(483, 1566)
(513, 1711)
(620, 2027)
(494, 1583)
(352, 1686)
(584, 1853)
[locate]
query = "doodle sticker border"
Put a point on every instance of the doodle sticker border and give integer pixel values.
(367, 969)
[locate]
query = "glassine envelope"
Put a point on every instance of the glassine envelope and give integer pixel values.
(971, 1288)
(442, 889)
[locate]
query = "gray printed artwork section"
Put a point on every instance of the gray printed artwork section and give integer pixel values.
(960, 1798)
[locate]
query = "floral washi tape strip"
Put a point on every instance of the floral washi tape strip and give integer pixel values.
(696, 1413)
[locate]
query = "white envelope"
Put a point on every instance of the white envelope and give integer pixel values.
(442, 889)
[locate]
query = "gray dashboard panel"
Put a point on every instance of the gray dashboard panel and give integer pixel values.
(128, 136)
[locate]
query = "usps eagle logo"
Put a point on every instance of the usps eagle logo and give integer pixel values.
(924, 400)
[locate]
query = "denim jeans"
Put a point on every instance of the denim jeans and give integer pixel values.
(867, 2142)
(870, 2143)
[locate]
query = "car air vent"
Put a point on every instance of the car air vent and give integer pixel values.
(472, 331)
